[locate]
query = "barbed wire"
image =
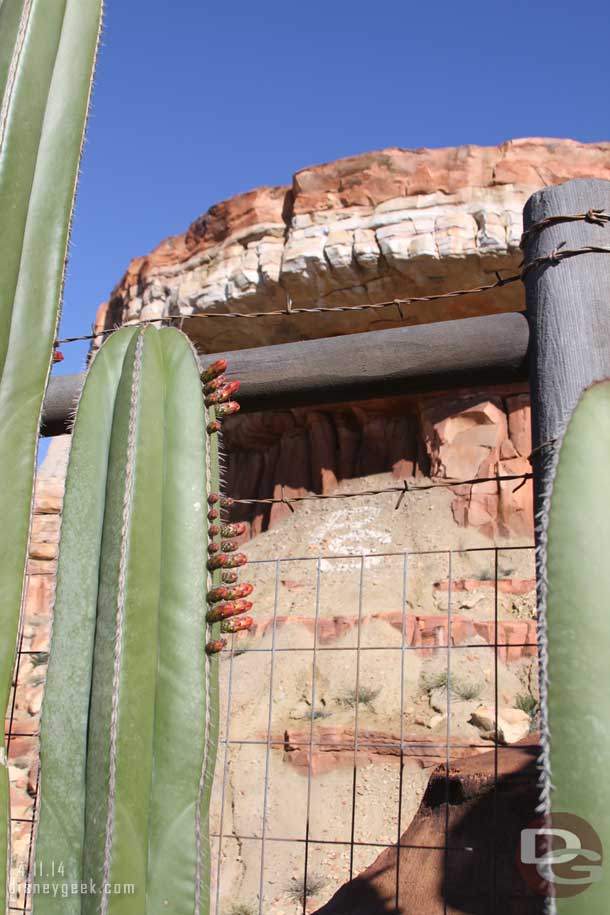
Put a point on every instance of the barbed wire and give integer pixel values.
(595, 216)
(402, 491)
(290, 311)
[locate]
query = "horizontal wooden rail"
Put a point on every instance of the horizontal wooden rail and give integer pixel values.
(418, 359)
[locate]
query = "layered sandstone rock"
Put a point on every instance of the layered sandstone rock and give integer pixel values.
(465, 435)
(365, 229)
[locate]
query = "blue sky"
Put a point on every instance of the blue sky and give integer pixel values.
(196, 102)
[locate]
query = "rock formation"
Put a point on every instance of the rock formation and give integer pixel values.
(477, 872)
(368, 228)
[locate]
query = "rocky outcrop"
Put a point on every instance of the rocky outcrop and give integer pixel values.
(364, 229)
(454, 858)
(464, 435)
(24, 710)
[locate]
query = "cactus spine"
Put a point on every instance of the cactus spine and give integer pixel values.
(130, 715)
(574, 612)
(47, 54)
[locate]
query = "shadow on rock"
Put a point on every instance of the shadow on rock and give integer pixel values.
(481, 805)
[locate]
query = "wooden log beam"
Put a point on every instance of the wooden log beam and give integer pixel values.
(425, 357)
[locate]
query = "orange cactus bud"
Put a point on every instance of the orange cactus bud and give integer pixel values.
(215, 646)
(225, 409)
(237, 625)
(231, 608)
(223, 394)
(214, 370)
(214, 384)
(222, 561)
(234, 593)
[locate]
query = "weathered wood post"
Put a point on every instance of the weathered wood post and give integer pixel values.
(568, 308)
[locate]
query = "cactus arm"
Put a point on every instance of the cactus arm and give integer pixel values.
(578, 623)
(47, 53)
(129, 735)
(63, 737)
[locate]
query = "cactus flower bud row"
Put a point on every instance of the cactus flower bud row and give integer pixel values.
(231, 608)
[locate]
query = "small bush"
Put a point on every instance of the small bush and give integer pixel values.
(528, 704)
(298, 892)
(365, 695)
(460, 687)
(466, 689)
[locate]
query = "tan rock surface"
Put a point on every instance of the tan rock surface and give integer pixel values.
(364, 229)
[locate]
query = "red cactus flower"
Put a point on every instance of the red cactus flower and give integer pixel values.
(213, 514)
(234, 593)
(214, 370)
(225, 409)
(231, 608)
(58, 356)
(213, 548)
(214, 427)
(213, 498)
(222, 561)
(223, 394)
(233, 530)
(214, 384)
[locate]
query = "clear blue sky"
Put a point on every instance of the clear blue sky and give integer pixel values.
(195, 102)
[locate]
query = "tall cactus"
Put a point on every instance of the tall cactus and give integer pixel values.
(575, 613)
(47, 54)
(130, 714)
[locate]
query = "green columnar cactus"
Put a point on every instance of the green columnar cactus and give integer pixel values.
(47, 54)
(575, 618)
(130, 714)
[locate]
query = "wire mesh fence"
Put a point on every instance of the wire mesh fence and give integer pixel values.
(360, 676)
(328, 734)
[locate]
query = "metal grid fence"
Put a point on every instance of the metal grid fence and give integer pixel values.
(319, 858)
(304, 846)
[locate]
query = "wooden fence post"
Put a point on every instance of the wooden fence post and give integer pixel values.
(568, 308)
